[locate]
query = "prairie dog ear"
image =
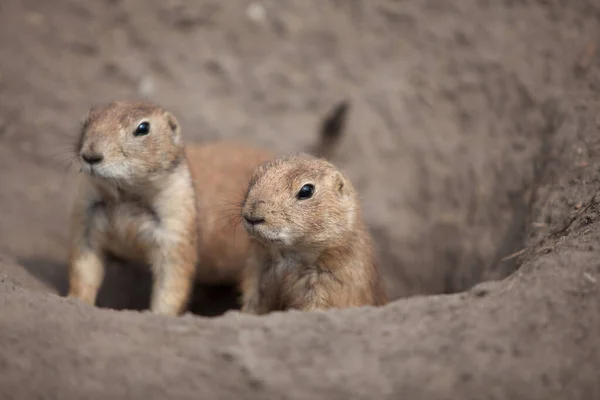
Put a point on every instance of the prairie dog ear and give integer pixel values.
(173, 125)
(340, 185)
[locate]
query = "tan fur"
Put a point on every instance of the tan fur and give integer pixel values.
(194, 192)
(221, 170)
(306, 254)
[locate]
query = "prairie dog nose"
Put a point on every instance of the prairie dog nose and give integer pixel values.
(92, 158)
(253, 220)
(252, 214)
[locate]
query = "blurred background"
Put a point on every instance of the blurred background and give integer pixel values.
(453, 105)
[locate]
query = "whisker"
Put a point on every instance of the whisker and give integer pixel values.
(228, 223)
(228, 214)
(212, 206)
(232, 223)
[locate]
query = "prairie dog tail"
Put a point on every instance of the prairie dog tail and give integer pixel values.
(332, 129)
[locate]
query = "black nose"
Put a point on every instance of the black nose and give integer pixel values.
(254, 220)
(92, 158)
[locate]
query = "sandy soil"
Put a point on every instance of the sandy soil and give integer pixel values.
(473, 139)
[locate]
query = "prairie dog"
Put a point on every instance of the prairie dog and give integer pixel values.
(136, 200)
(146, 198)
(310, 248)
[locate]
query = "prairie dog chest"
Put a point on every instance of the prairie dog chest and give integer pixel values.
(127, 229)
(287, 280)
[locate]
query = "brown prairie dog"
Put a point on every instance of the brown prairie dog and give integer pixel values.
(310, 248)
(146, 198)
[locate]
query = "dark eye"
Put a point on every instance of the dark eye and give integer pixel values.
(142, 129)
(306, 192)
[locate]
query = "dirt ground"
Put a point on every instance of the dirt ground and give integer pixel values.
(473, 138)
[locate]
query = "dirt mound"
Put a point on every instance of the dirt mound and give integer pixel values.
(473, 140)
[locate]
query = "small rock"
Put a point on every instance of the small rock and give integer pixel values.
(484, 288)
(547, 250)
(146, 86)
(256, 12)
(590, 278)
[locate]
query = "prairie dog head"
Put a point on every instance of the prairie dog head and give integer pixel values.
(299, 201)
(129, 143)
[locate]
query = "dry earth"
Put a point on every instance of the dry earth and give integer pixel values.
(473, 139)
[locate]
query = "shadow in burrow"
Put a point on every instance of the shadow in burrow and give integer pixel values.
(128, 287)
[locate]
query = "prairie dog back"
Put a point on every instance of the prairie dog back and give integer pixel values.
(220, 171)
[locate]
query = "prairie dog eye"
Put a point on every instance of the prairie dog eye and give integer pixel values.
(142, 129)
(306, 192)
